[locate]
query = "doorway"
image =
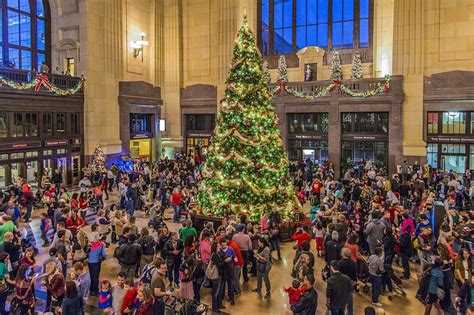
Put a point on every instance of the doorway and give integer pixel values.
(62, 167)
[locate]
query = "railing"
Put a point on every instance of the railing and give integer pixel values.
(354, 85)
(347, 55)
(62, 81)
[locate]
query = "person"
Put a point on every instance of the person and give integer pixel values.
(175, 204)
(129, 255)
(205, 253)
(129, 301)
(406, 251)
(376, 268)
(375, 231)
(237, 267)
(173, 252)
(118, 292)
(24, 299)
(339, 289)
(44, 228)
(435, 282)
(187, 230)
(105, 296)
(186, 281)
(294, 292)
(55, 286)
(332, 248)
(300, 236)
(28, 258)
(229, 256)
(158, 285)
(4, 281)
(7, 226)
(97, 254)
(245, 245)
(73, 303)
(82, 280)
(275, 237)
(217, 262)
(308, 302)
(147, 242)
(145, 300)
(44, 67)
(264, 265)
(463, 267)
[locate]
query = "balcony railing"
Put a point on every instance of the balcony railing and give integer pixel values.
(355, 85)
(62, 81)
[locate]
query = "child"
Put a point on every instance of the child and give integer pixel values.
(129, 299)
(186, 281)
(294, 292)
(105, 296)
(319, 232)
(44, 227)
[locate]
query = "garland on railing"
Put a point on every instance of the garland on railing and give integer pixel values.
(381, 87)
(42, 80)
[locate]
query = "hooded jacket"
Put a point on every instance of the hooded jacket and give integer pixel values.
(374, 230)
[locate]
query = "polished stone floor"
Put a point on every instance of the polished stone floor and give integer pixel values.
(249, 302)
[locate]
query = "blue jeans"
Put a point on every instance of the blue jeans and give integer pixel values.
(276, 246)
(159, 307)
(94, 271)
(173, 271)
(337, 310)
(176, 213)
(130, 207)
(216, 293)
(376, 287)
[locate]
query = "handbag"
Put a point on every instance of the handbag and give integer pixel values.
(3, 285)
(211, 271)
(440, 293)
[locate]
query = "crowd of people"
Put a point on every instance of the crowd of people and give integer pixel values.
(362, 224)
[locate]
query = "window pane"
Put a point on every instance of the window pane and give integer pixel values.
(322, 35)
(300, 37)
(348, 10)
(13, 4)
(14, 57)
(278, 14)
(17, 125)
(3, 125)
(265, 41)
(1, 27)
(364, 9)
(312, 11)
(337, 34)
(471, 158)
(432, 123)
(41, 58)
(25, 31)
(348, 34)
(60, 123)
(288, 34)
(39, 8)
(288, 13)
(322, 11)
(48, 124)
(41, 35)
(25, 5)
(13, 28)
(301, 12)
(25, 60)
(454, 122)
(364, 33)
(311, 35)
(472, 123)
(337, 10)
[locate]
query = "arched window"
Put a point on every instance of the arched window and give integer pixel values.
(287, 26)
(24, 35)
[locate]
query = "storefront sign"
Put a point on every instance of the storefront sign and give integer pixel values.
(142, 136)
(365, 138)
(55, 143)
(20, 145)
(450, 139)
(309, 137)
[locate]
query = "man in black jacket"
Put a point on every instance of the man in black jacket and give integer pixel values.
(129, 255)
(173, 252)
(338, 290)
(308, 302)
(333, 248)
(348, 267)
(406, 252)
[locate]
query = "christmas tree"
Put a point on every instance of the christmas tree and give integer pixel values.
(282, 69)
(266, 73)
(336, 69)
(98, 160)
(246, 169)
(356, 69)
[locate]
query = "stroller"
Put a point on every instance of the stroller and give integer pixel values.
(176, 306)
(363, 273)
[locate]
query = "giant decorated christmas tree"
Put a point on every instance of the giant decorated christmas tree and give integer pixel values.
(246, 169)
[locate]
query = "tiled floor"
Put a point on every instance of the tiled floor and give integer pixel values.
(251, 303)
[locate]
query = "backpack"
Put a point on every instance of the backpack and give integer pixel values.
(147, 274)
(148, 247)
(211, 271)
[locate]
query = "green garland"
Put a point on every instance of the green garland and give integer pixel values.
(42, 80)
(381, 87)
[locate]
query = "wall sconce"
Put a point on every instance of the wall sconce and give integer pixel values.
(138, 45)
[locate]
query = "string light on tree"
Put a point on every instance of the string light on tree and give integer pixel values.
(356, 68)
(246, 169)
(266, 73)
(282, 69)
(336, 68)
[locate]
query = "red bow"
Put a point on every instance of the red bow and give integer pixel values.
(281, 86)
(337, 83)
(386, 87)
(42, 80)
